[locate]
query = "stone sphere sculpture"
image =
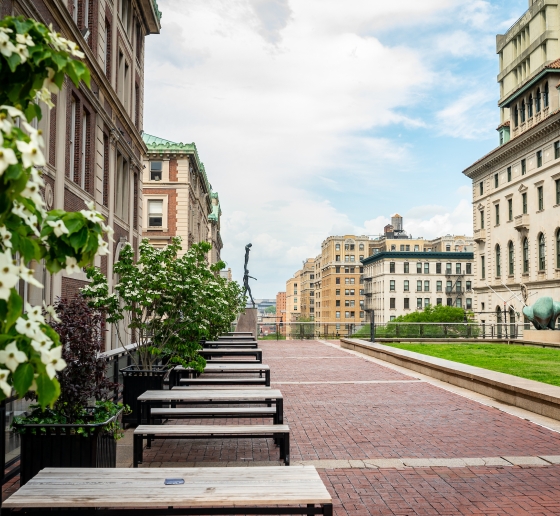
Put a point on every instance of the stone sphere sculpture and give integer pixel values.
(543, 314)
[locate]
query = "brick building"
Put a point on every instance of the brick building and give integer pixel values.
(281, 307)
(94, 147)
(178, 199)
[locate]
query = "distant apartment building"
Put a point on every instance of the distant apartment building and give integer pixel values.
(307, 290)
(94, 149)
(281, 307)
(178, 199)
(339, 295)
(293, 289)
(516, 186)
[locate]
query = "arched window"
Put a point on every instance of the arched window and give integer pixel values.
(525, 256)
(558, 249)
(499, 321)
(512, 326)
(530, 107)
(545, 95)
(498, 261)
(542, 257)
(516, 116)
(523, 111)
(538, 101)
(511, 258)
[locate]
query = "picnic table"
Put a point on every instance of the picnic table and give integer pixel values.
(217, 355)
(210, 397)
(180, 372)
(255, 490)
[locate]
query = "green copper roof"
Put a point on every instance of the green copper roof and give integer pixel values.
(216, 210)
(158, 145)
(156, 9)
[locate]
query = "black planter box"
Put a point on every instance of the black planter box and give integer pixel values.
(137, 381)
(61, 447)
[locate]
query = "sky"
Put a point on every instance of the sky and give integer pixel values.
(325, 117)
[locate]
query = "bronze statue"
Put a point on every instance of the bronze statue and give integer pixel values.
(246, 287)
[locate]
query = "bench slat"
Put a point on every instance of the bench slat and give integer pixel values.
(211, 411)
(210, 429)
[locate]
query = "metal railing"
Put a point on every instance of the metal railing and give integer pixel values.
(407, 330)
(311, 329)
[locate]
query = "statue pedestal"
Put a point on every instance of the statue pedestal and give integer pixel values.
(544, 336)
(248, 321)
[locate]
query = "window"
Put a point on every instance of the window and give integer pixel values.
(337, 258)
(545, 95)
(530, 107)
(525, 256)
(457, 268)
(469, 268)
(482, 267)
(337, 269)
(73, 137)
(406, 267)
(498, 261)
(542, 258)
(407, 248)
(510, 259)
(406, 303)
(84, 155)
(392, 302)
(337, 292)
(349, 302)
(459, 303)
(497, 208)
(447, 248)
(361, 315)
(439, 301)
(538, 101)
(509, 174)
(392, 285)
(347, 315)
(392, 267)
(426, 268)
(539, 158)
(439, 286)
(468, 285)
(122, 188)
(449, 301)
(346, 258)
(361, 257)
(337, 281)
(406, 285)
(416, 248)
(402, 247)
(426, 301)
(524, 202)
(361, 247)
(426, 286)
(352, 258)
(558, 249)
(107, 49)
(438, 268)
(449, 286)
(447, 268)
(337, 247)
(557, 183)
(523, 111)
(523, 167)
(337, 315)
(156, 170)
(155, 213)
(419, 286)
(510, 209)
(419, 302)
(496, 180)
(337, 303)
(481, 187)
(516, 116)
(557, 149)
(418, 268)
(469, 303)
(540, 196)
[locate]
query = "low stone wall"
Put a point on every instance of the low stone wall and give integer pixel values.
(537, 397)
(521, 342)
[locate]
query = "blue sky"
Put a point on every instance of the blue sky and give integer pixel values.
(321, 117)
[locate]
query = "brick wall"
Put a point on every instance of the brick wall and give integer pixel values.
(106, 152)
(52, 132)
(72, 202)
(71, 287)
(171, 211)
(173, 170)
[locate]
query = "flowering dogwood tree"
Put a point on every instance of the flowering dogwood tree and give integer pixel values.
(33, 63)
(165, 303)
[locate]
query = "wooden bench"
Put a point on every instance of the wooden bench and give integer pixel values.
(222, 381)
(276, 489)
(280, 434)
(230, 344)
(217, 355)
(211, 413)
(212, 368)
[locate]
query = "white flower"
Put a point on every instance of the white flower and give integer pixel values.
(49, 83)
(8, 275)
(31, 155)
(34, 134)
(53, 360)
(36, 177)
(13, 112)
(12, 356)
(34, 313)
(7, 158)
(22, 52)
(4, 385)
(27, 327)
(74, 49)
(5, 237)
(7, 48)
(103, 248)
(25, 39)
(51, 311)
(45, 95)
(109, 230)
(72, 265)
(41, 343)
(28, 275)
(59, 227)
(29, 218)
(5, 124)
(33, 192)
(91, 205)
(92, 216)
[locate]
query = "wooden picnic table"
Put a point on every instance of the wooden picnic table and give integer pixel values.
(276, 489)
(180, 372)
(217, 355)
(230, 344)
(209, 397)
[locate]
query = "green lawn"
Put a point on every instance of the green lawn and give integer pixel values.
(540, 364)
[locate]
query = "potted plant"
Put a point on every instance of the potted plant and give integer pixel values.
(82, 427)
(165, 303)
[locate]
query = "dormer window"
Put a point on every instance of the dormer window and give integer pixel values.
(545, 95)
(538, 101)
(530, 107)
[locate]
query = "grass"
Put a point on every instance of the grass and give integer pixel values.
(540, 364)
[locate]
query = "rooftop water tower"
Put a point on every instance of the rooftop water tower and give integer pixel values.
(397, 223)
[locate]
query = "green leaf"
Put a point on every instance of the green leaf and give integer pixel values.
(29, 248)
(23, 378)
(47, 390)
(74, 221)
(15, 307)
(79, 239)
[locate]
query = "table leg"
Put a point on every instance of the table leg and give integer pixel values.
(267, 377)
(280, 410)
(137, 450)
(327, 509)
(287, 448)
(139, 408)
(310, 506)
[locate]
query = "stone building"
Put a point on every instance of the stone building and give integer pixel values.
(516, 186)
(178, 199)
(293, 298)
(94, 149)
(281, 307)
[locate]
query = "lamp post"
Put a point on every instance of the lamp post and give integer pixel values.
(371, 324)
